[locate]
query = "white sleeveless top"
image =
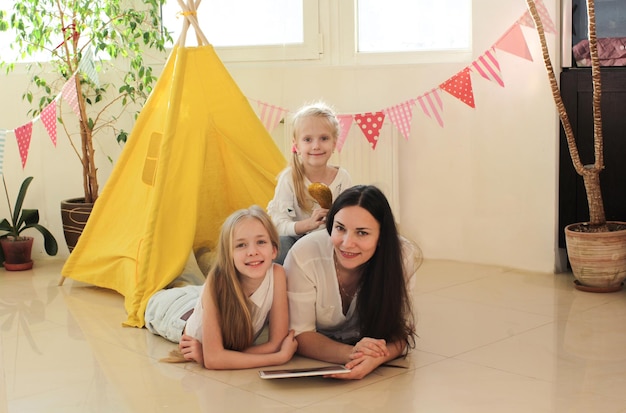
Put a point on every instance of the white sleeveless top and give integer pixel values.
(261, 300)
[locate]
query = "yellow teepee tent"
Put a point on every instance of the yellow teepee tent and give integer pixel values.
(196, 153)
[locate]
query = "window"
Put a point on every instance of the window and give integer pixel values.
(249, 30)
(405, 31)
(412, 26)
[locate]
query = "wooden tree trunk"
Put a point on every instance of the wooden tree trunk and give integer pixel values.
(590, 173)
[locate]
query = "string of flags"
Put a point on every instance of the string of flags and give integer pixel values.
(430, 103)
(370, 123)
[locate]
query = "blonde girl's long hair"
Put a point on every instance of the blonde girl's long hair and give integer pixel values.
(232, 304)
(320, 110)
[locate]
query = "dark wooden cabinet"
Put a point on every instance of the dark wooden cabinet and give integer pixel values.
(576, 90)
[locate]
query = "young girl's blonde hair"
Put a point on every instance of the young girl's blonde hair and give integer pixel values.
(321, 110)
(232, 304)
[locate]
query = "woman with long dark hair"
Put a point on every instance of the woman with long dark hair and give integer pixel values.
(349, 286)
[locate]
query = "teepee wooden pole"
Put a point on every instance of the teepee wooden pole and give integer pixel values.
(190, 13)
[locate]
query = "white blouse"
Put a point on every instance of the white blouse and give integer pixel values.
(261, 299)
(284, 208)
(313, 291)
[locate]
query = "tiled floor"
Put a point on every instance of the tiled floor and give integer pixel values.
(491, 340)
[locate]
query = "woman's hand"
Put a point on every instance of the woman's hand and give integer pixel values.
(371, 347)
(289, 346)
(191, 349)
(359, 367)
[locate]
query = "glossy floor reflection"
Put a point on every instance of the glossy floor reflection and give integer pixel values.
(491, 340)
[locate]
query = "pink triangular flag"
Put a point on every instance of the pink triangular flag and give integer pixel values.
(271, 115)
(370, 124)
(70, 94)
(432, 105)
(49, 120)
(488, 67)
(460, 86)
(544, 15)
(345, 122)
(400, 116)
(514, 42)
(23, 135)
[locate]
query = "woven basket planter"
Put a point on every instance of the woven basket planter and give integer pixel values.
(598, 259)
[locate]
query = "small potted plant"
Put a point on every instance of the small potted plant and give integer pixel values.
(15, 253)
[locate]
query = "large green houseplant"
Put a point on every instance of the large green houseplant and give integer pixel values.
(597, 248)
(16, 248)
(119, 34)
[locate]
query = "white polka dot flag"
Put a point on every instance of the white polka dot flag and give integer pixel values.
(23, 135)
(488, 67)
(546, 21)
(49, 120)
(3, 138)
(460, 86)
(401, 115)
(271, 115)
(70, 95)
(370, 124)
(432, 105)
(345, 122)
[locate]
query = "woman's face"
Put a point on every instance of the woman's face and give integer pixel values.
(355, 236)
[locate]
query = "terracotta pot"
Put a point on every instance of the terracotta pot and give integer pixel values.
(598, 259)
(17, 253)
(74, 215)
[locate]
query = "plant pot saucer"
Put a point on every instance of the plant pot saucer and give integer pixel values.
(589, 289)
(18, 267)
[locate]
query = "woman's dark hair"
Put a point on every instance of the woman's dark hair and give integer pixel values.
(383, 306)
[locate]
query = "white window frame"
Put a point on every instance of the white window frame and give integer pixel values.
(348, 54)
(310, 49)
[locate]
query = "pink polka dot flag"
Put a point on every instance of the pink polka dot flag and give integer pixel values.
(23, 135)
(460, 86)
(70, 94)
(546, 21)
(370, 124)
(49, 120)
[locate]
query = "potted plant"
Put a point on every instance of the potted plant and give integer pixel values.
(16, 249)
(113, 36)
(596, 249)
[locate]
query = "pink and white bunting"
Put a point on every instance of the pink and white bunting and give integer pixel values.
(432, 105)
(3, 138)
(70, 94)
(23, 134)
(49, 120)
(460, 86)
(546, 21)
(514, 42)
(401, 115)
(370, 124)
(271, 115)
(488, 67)
(345, 122)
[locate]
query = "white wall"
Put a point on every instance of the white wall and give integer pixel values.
(481, 189)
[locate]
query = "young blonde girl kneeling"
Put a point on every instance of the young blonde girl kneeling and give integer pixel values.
(244, 290)
(293, 210)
